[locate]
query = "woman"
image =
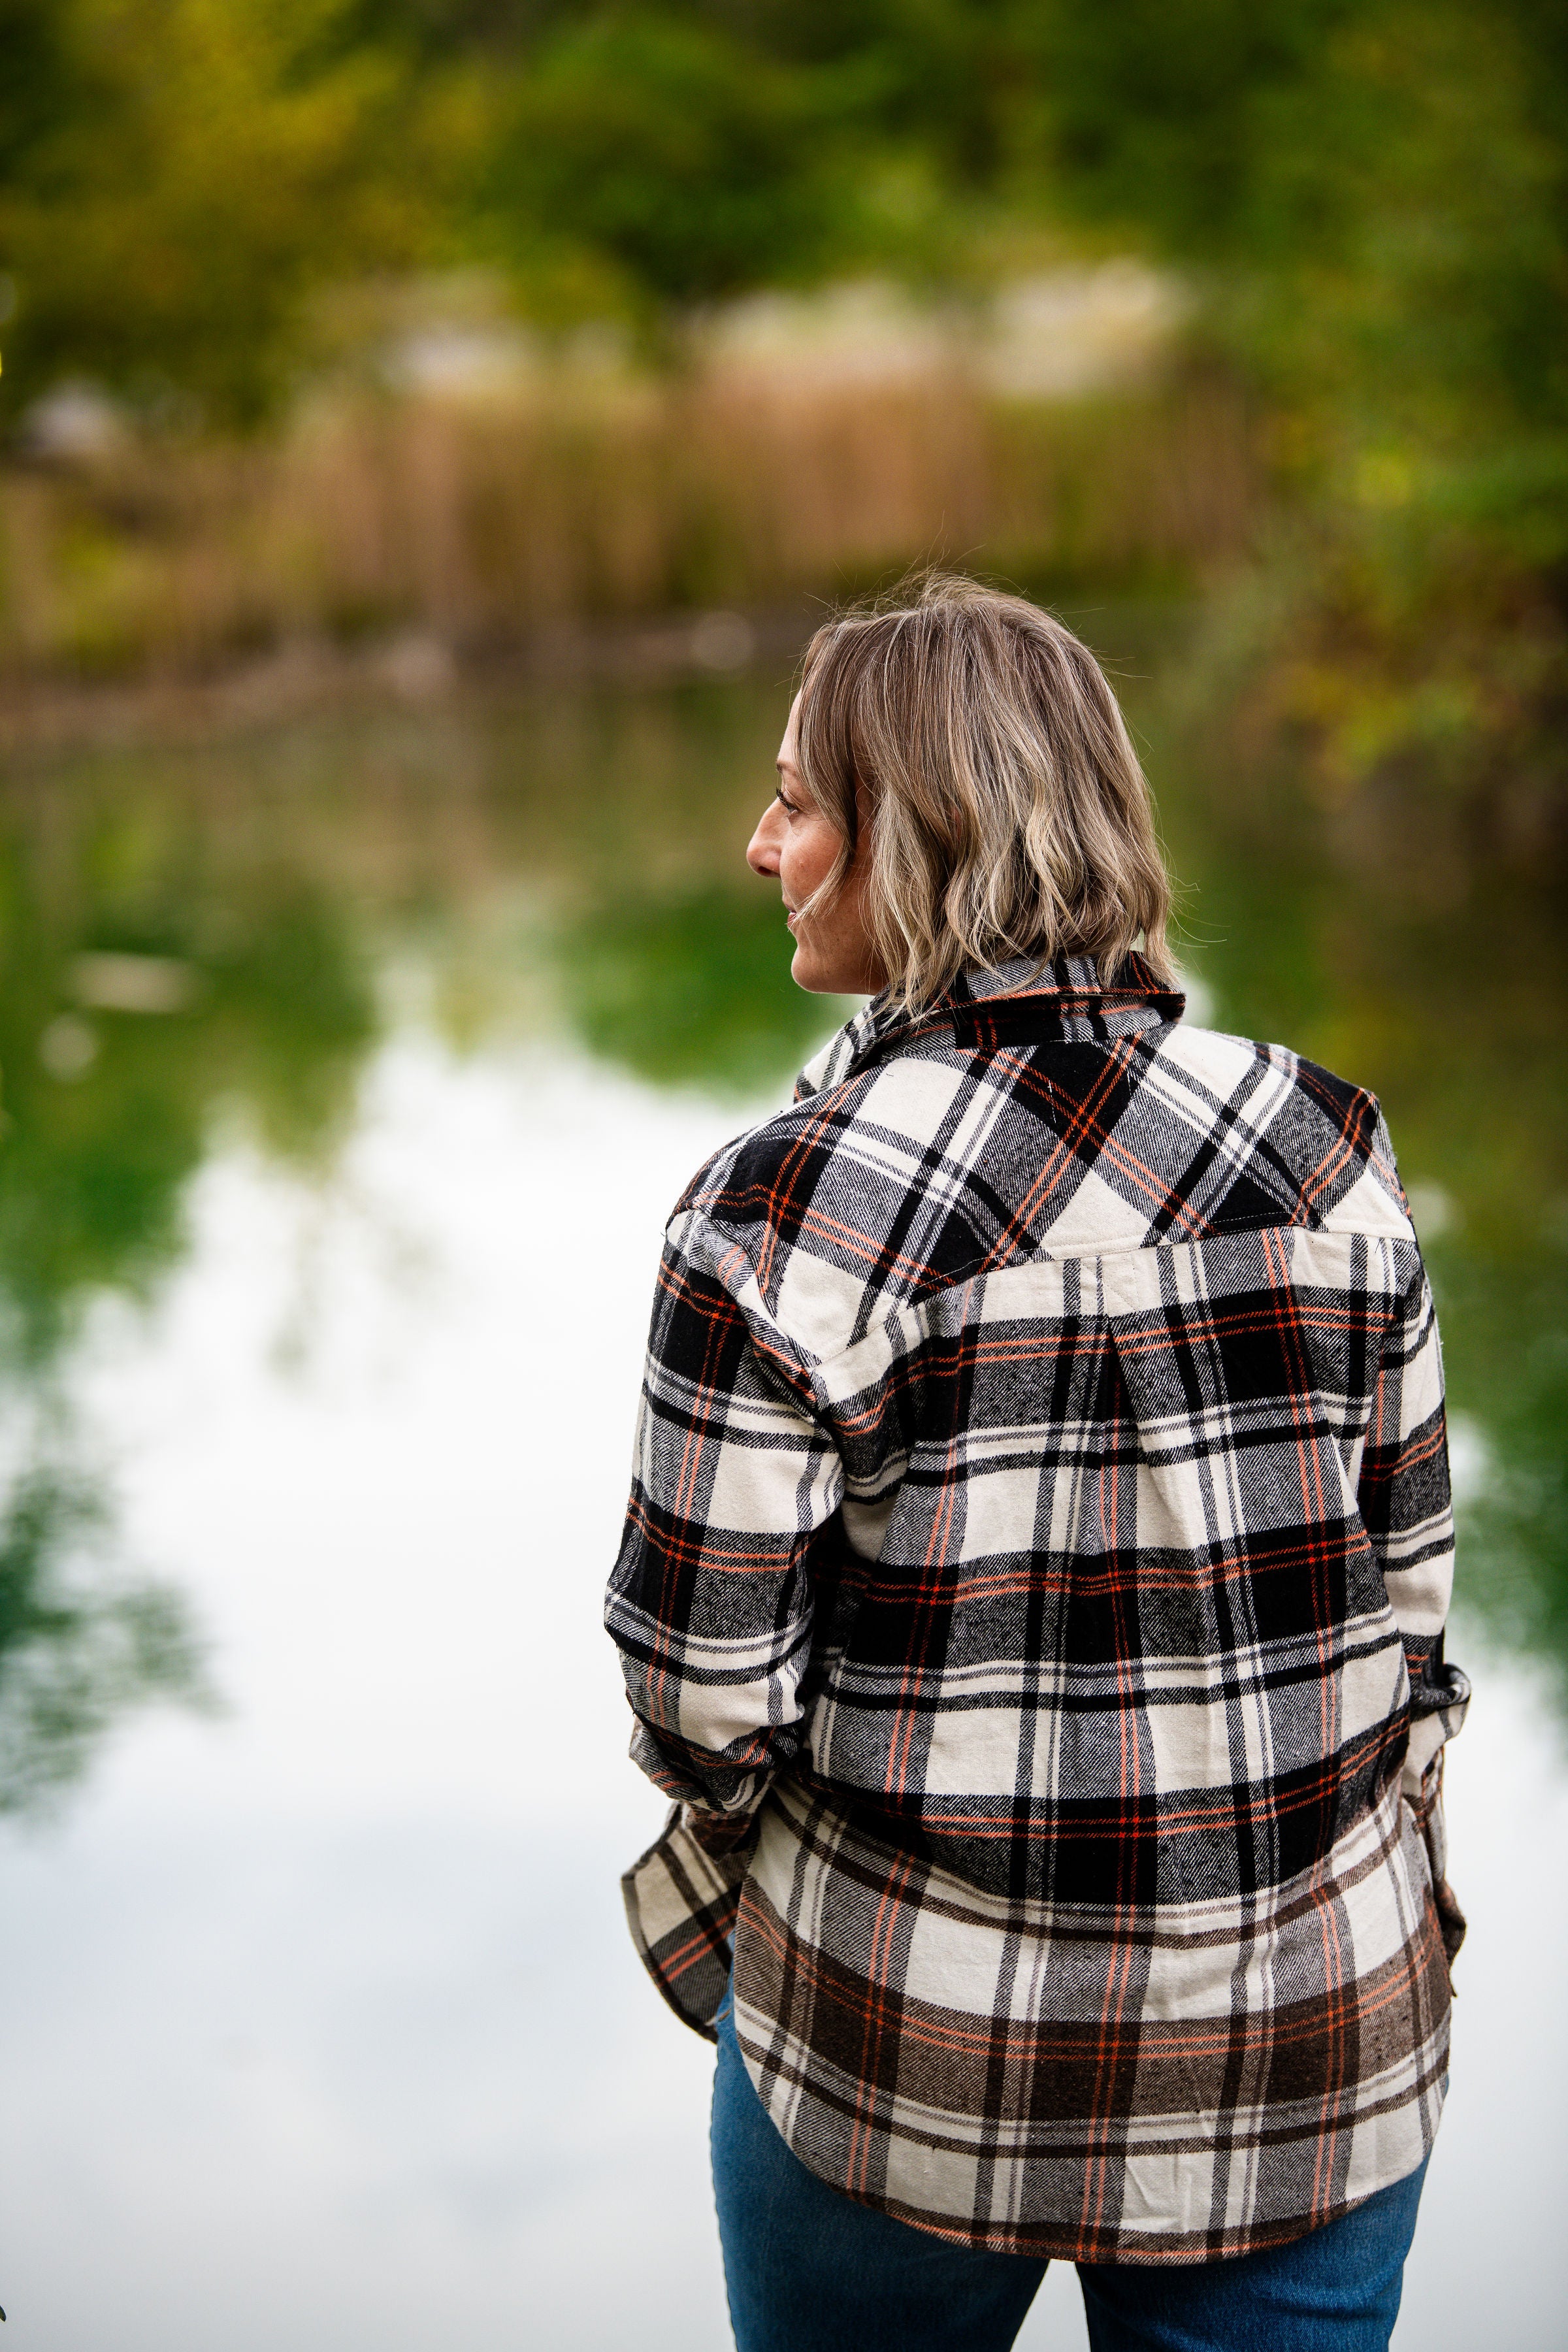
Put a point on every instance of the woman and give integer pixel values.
(1033, 1587)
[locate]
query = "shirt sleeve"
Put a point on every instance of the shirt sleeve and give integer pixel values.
(1406, 1507)
(735, 1495)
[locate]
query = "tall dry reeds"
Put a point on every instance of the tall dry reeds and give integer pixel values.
(568, 495)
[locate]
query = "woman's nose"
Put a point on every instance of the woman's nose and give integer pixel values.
(763, 850)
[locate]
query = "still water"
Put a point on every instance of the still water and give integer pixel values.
(350, 1070)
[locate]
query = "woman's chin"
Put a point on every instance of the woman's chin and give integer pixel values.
(817, 975)
(821, 975)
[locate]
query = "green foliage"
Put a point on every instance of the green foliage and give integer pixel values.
(1378, 193)
(692, 990)
(1505, 1331)
(144, 981)
(176, 175)
(36, 88)
(80, 1645)
(1381, 190)
(1171, 116)
(693, 165)
(107, 1109)
(1399, 960)
(1371, 196)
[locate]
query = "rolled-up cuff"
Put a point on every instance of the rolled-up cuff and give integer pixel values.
(682, 1898)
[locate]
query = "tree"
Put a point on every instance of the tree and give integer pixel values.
(176, 175)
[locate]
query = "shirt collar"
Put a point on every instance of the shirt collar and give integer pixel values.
(1022, 1002)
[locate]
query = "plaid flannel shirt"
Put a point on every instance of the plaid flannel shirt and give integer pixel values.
(1032, 1594)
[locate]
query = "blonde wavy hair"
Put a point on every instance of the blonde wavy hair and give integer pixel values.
(1007, 813)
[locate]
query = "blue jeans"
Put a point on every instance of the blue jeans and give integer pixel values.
(808, 2270)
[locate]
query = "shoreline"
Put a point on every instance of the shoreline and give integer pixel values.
(418, 670)
(414, 670)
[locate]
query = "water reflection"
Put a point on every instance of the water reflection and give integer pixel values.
(323, 2019)
(137, 992)
(139, 986)
(209, 940)
(692, 990)
(1411, 964)
(79, 1643)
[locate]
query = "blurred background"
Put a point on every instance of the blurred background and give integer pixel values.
(429, 430)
